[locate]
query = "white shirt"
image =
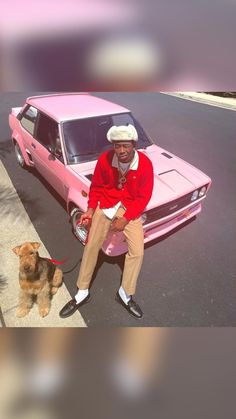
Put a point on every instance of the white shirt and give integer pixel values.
(111, 212)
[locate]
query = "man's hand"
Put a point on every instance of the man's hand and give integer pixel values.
(119, 224)
(86, 218)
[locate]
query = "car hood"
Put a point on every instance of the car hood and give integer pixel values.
(173, 177)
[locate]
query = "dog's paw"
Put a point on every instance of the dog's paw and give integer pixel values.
(54, 290)
(44, 311)
(22, 311)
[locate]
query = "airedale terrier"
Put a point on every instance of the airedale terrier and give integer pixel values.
(39, 279)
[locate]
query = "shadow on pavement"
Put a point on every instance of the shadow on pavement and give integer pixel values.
(9, 200)
(3, 283)
(6, 147)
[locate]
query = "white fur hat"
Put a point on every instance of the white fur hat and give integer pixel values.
(122, 133)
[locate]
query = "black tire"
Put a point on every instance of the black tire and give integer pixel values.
(19, 156)
(79, 232)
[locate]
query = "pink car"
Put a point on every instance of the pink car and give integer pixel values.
(62, 135)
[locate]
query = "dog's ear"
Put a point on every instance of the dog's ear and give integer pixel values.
(35, 245)
(16, 250)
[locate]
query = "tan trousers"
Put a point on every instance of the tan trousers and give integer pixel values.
(133, 259)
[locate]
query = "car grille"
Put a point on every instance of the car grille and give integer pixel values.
(169, 208)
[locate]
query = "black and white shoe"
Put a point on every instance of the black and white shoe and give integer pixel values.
(71, 307)
(132, 307)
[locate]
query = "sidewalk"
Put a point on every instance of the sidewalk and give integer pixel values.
(206, 99)
(16, 228)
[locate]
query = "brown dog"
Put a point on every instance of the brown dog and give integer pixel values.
(39, 278)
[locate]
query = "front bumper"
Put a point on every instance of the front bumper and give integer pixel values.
(115, 244)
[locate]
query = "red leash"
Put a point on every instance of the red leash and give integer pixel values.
(57, 262)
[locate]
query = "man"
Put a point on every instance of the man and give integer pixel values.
(121, 188)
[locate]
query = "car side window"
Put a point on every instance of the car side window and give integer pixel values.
(47, 133)
(28, 119)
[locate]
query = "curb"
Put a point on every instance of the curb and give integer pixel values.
(205, 98)
(2, 322)
(16, 226)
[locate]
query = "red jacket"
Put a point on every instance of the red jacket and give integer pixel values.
(136, 192)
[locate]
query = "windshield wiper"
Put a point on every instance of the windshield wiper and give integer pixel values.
(91, 153)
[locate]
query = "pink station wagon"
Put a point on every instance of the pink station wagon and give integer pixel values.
(62, 135)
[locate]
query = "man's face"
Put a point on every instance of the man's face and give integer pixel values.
(124, 150)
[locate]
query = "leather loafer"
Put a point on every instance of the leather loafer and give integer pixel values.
(71, 307)
(132, 307)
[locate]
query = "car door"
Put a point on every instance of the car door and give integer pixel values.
(28, 120)
(47, 153)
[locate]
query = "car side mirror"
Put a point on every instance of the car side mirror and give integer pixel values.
(58, 153)
(51, 149)
(54, 151)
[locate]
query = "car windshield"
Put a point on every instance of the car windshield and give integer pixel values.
(85, 139)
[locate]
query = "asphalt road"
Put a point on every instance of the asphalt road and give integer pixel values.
(189, 277)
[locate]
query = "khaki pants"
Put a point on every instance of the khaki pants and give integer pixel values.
(133, 259)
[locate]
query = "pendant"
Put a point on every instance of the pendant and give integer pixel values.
(122, 180)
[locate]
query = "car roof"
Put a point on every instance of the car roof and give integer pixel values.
(68, 106)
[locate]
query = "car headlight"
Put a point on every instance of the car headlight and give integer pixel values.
(194, 196)
(144, 218)
(202, 191)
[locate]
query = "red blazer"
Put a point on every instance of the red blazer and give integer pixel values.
(134, 195)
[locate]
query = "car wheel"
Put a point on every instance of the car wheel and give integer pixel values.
(19, 156)
(80, 232)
